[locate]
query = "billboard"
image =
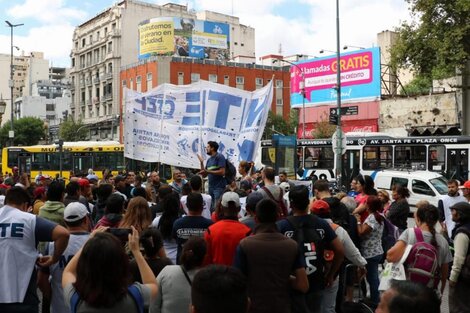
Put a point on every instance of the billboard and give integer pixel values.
(360, 78)
(184, 37)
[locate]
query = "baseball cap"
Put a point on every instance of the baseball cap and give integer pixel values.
(119, 178)
(83, 182)
(75, 211)
(92, 176)
(465, 185)
(39, 191)
(320, 207)
(461, 206)
(9, 181)
(229, 197)
(253, 199)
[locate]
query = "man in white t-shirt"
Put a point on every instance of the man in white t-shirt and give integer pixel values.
(77, 222)
(453, 196)
(196, 184)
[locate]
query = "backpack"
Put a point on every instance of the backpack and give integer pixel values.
(422, 266)
(390, 235)
(280, 201)
(312, 248)
(230, 172)
(132, 290)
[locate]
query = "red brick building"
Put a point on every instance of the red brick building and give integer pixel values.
(149, 73)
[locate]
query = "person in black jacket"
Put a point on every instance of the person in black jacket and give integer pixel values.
(399, 209)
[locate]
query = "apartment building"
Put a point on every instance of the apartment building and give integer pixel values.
(108, 41)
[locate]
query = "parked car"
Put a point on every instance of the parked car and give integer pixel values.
(423, 185)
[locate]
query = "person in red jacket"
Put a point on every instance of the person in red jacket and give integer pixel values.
(224, 236)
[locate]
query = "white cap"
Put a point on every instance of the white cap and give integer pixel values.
(229, 197)
(75, 211)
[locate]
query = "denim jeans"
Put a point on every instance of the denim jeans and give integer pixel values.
(372, 277)
(215, 193)
(329, 297)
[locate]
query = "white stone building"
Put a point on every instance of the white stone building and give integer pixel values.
(109, 41)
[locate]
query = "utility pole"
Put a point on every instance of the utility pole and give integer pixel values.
(339, 133)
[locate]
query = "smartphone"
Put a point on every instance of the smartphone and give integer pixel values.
(121, 233)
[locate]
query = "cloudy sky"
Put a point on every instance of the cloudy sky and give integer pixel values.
(294, 26)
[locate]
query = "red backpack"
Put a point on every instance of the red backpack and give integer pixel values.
(422, 263)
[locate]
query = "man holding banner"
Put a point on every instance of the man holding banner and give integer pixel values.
(215, 169)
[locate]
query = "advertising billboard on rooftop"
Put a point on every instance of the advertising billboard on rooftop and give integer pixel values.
(360, 78)
(184, 37)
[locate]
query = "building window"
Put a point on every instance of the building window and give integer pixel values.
(242, 44)
(110, 46)
(240, 80)
(124, 83)
(180, 78)
(226, 80)
(83, 42)
(279, 83)
(279, 106)
(195, 77)
(213, 78)
(50, 107)
(149, 81)
(259, 82)
(131, 84)
(138, 82)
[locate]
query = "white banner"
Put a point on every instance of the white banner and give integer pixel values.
(172, 124)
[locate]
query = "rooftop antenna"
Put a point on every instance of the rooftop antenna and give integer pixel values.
(280, 49)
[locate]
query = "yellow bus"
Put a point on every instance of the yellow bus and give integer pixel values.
(77, 158)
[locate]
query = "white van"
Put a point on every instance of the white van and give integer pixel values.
(423, 185)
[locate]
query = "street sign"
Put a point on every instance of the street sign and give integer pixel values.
(335, 142)
(352, 110)
(333, 119)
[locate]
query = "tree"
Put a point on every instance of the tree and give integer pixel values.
(280, 125)
(437, 41)
(420, 85)
(28, 131)
(323, 128)
(70, 130)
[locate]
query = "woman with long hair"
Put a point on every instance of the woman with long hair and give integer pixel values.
(385, 199)
(171, 212)
(174, 294)
(98, 279)
(371, 243)
(138, 214)
(244, 169)
(152, 242)
(399, 208)
(426, 218)
(365, 187)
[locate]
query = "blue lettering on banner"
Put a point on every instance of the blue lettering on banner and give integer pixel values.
(254, 113)
(155, 104)
(192, 108)
(16, 230)
(225, 101)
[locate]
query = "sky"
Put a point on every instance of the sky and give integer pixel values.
(284, 27)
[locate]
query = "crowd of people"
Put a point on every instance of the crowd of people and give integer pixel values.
(133, 243)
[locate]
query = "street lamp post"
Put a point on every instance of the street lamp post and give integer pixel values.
(349, 46)
(11, 133)
(339, 133)
(302, 88)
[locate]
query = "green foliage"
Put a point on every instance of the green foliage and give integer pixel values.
(70, 130)
(323, 128)
(437, 41)
(420, 85)
(28, 131)
(280, 124)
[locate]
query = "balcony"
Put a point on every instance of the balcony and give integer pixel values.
(96, 80)
(109, 75)
(108, 96)
(96, 100)
(88, 81)
(114, 33)
(82, 103)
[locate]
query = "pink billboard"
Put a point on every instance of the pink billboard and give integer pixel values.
(360, 78)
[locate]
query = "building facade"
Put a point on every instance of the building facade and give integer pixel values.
(105, 43)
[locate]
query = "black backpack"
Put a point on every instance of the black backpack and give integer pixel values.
(230, 172)
(312, 248)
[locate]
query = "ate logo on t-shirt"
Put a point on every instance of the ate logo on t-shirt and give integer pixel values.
(320, 231)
